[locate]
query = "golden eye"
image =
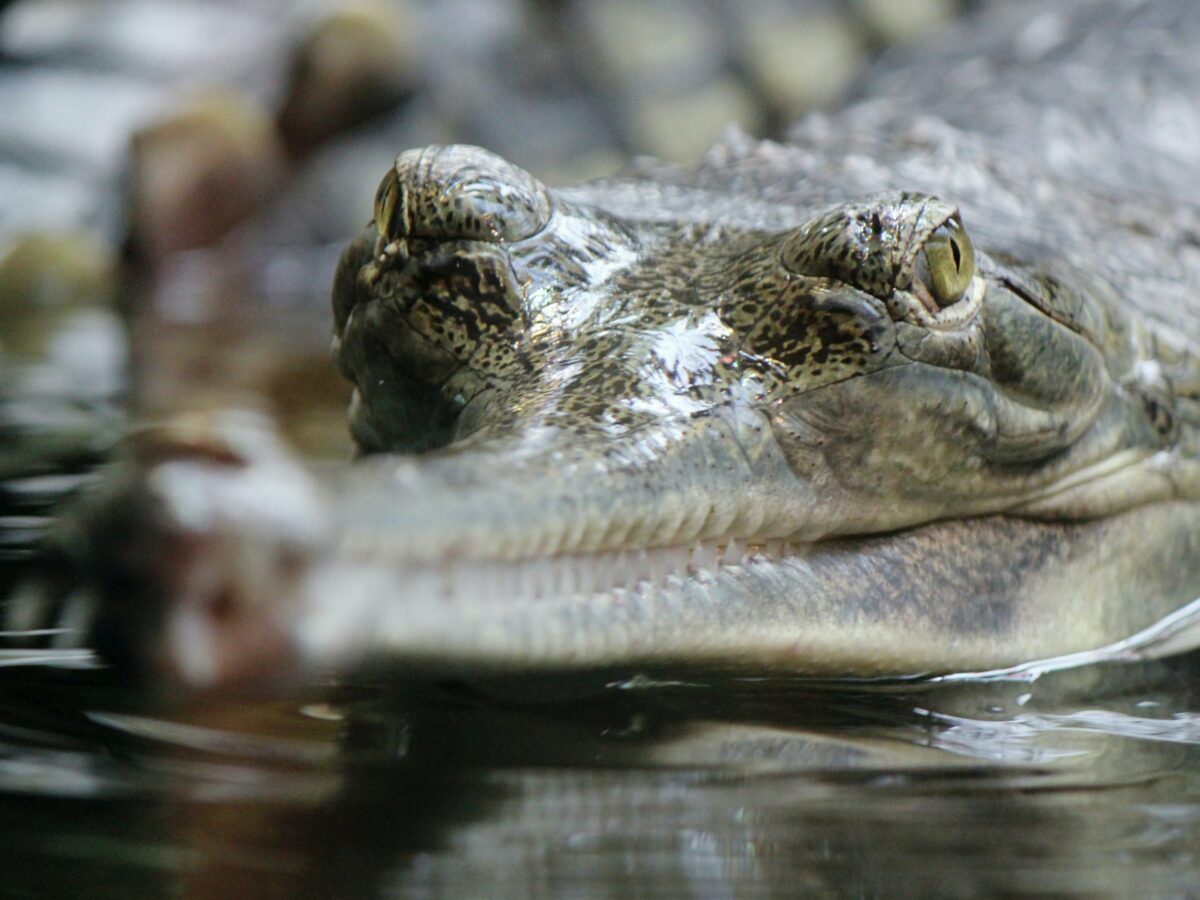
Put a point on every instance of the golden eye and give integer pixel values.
(946, 264)
(385, 203)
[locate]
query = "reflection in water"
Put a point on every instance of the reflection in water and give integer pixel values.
(695, 784)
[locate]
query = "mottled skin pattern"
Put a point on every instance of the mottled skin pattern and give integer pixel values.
(992, 392)
(915, 392)
(468, 326)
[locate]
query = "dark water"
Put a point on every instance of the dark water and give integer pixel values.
(1082, 782)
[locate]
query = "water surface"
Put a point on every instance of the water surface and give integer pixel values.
(1082, 781)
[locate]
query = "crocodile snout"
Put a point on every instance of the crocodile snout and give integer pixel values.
(428, 291)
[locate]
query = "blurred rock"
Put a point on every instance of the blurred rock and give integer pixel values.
(903, 21)
(802, 60)
(681, 128)
(355, 63)
(196, 174)
(653, 44)
(44, 280)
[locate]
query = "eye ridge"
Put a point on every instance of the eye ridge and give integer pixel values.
(914, 243)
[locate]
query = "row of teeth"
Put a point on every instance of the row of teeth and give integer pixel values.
(613, 571)
(587, 573)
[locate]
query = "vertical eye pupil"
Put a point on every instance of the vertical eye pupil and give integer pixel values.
(957, 254)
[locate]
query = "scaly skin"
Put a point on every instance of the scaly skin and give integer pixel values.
(582, 334)
(771, 413)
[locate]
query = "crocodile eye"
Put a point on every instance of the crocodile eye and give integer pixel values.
(946, 263)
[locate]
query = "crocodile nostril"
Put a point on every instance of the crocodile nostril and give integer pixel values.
(385, 203)
(459, 192)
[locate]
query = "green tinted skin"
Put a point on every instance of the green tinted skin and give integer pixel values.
(855, 443)
(902, 375)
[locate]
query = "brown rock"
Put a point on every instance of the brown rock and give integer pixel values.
(354, 64)
(45, 279)
(198, 173)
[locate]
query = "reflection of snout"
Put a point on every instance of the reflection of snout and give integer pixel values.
(226, 625)
(184, 564)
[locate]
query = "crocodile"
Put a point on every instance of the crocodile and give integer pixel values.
(915, 391)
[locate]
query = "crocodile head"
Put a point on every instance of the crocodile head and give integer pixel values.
(863, 371)
(850, 442)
